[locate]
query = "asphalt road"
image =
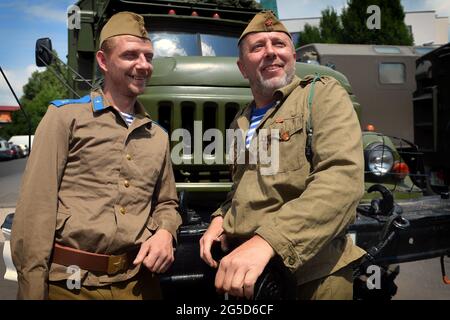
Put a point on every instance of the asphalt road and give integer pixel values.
(422, 280)
(10, 177)
(418, 280)
(8, 289)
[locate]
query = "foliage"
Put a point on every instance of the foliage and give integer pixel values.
(330, 27)
(393, 30)
(329, 30)
(41, 88)
(310, 34)
(352, 28)
(251, 4)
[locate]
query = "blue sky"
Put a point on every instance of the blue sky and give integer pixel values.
(24, 21)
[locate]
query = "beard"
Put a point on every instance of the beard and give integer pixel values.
(270, 85)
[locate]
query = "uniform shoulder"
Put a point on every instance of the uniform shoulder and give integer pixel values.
(310, 78)
(64, 102)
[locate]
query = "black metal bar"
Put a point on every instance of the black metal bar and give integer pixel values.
(59, 78)
(67, 65)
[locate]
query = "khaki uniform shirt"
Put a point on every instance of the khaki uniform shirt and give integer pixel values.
(303, 215)
(94, 184)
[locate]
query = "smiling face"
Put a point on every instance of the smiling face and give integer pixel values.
(126, 65)
(267, 60)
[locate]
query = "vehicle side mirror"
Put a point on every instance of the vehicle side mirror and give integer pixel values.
(43, 52)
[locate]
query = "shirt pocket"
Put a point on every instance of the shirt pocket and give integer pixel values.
(291, 143)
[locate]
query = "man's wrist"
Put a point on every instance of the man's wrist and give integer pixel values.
(257, 238)
(217, 213)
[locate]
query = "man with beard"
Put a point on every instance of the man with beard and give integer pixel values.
(97, 214)
(300, 213)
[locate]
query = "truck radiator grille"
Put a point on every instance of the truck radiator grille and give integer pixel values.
(172, 115)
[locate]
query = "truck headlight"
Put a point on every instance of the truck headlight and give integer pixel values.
(379, 159)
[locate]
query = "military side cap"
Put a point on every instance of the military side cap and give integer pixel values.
(124, 23)
(264, 21)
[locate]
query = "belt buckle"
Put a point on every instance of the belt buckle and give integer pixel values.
(116, 264)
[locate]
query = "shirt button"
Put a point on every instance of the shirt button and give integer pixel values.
(126, 183)
(128, 157)
(122, 210)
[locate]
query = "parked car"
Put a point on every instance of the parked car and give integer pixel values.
(18, 152)
(6, 152)
(22, 140)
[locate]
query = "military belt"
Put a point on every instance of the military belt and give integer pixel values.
(109, 264)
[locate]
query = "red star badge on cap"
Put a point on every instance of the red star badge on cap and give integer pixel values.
(268, 22)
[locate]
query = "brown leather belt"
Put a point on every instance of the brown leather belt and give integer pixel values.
(109, 264)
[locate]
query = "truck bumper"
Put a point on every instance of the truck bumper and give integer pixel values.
(427, 236)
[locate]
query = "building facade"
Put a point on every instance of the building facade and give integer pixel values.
(6, 114)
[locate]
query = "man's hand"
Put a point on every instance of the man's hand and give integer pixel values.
(214, 233)
(157, 252)
(239, 270)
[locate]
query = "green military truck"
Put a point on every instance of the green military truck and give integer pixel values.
(196, 80)
(383, 78)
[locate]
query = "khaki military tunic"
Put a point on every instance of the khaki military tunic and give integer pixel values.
(91, 183)
(303, 215)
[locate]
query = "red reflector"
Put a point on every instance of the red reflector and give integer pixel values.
(194, 13)
(216, 16)
(171, 11)
(370, 127)
(400, 169)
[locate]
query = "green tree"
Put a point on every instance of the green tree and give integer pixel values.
(392, 31)
(41, 88)
(329, 30)
(310, 34)
(251, 4)
(330, 27)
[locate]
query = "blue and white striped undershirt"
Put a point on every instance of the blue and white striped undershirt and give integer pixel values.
(257, 115)
(128, 117)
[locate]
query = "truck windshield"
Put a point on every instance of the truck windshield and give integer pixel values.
(170, 44)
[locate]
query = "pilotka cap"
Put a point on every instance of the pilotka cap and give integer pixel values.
(264, 21)
(124, 23)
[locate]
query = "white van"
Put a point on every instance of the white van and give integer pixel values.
(21, 141)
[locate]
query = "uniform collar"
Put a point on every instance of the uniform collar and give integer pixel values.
(140, 110)
(278, 96)
(282, 93)
(100, 102)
